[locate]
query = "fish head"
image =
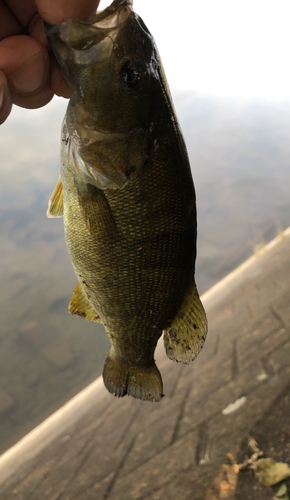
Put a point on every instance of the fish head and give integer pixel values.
(112, 65)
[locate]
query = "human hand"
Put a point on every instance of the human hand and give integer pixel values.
(29, 74)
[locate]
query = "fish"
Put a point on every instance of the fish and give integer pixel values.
(127, 197)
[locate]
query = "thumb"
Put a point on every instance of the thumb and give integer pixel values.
(26, 65)
(58, 11)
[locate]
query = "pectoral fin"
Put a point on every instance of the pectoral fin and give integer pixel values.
(55, 204)
(185, 337)
(81, 306)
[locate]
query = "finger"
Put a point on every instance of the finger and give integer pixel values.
(22, 10)
(57, 82)
(26, 65)
(58, 11)
(5, 98)
(36, 30)
(26, 78)
(26, 15)
(21, 18)
(9, 23)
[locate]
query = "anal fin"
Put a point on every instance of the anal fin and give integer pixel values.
(55, 204)
(81, 306)
(185, 337)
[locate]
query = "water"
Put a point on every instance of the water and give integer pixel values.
(239, 152)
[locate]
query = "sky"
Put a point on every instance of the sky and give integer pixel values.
(228, 48)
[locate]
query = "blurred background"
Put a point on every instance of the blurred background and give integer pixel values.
(227, 67)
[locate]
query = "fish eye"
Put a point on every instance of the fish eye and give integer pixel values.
(132, 74)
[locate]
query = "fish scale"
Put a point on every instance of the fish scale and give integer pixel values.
(128, 200)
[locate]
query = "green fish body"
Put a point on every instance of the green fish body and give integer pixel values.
(127, 197)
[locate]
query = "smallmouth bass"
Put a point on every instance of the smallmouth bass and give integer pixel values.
(127, 197)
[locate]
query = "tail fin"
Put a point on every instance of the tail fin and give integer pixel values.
(141, 383)
(185, 337)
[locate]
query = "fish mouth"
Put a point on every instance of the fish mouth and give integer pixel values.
(113, 16)
(80, 34)
(76, 39)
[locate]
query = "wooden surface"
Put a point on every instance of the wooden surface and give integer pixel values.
(124, 449)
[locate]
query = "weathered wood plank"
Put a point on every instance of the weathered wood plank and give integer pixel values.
(127, 449)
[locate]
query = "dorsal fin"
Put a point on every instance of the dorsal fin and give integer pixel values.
(81, 306)
(55, 204)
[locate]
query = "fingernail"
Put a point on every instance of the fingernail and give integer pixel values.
(30, 76)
